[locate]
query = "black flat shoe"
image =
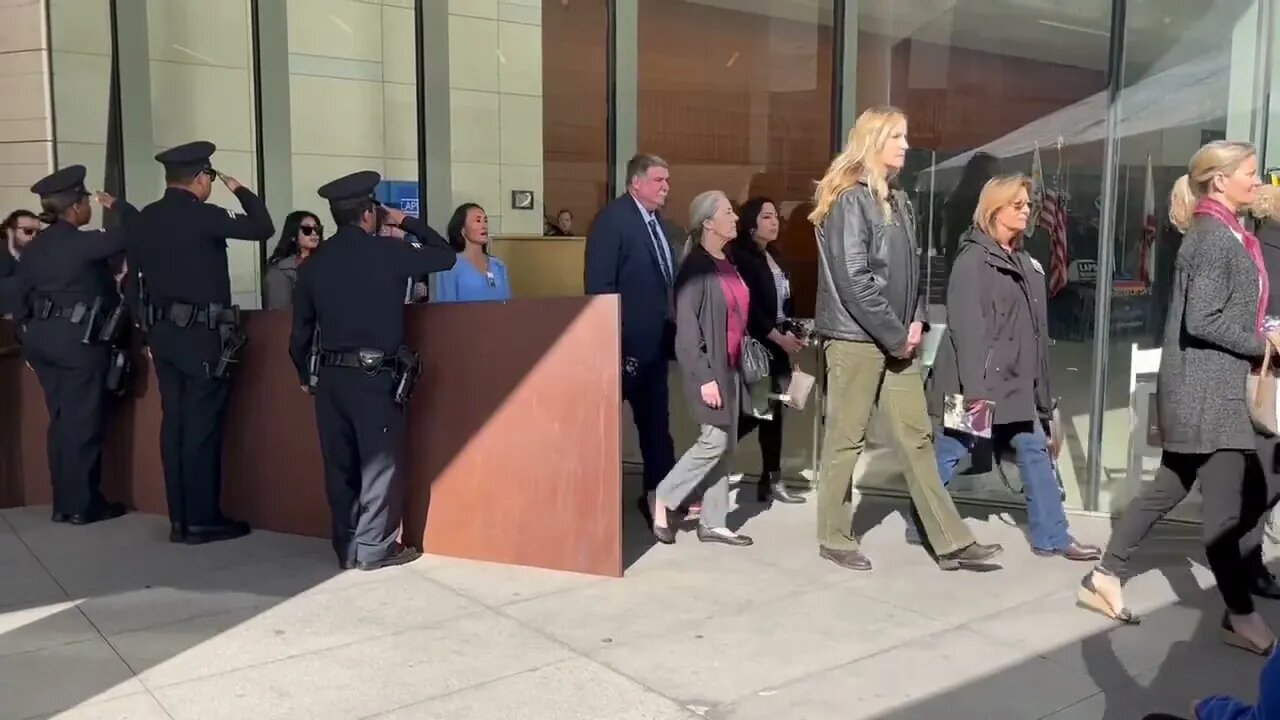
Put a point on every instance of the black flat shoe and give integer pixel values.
(60, 517)
(226, 530)
(108, 511)
(736, 540)
(1263, 584)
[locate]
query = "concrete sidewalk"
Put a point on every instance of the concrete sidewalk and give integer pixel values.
(110, 621)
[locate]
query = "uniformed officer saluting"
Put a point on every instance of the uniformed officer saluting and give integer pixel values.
(353, 290)
(66, 291)
(178, 247)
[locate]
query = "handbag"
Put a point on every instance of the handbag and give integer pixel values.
(798, 390)
(1262, 389)
(753, 356)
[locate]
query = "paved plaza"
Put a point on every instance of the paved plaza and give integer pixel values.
(110, 622)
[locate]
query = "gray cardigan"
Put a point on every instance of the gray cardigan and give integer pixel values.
(1210, 344)
(702, 339)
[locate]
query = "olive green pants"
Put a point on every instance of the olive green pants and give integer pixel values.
(860, 380)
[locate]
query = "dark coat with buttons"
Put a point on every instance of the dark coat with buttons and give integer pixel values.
(996, 345)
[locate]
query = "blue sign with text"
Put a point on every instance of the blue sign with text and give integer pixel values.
(399, 194)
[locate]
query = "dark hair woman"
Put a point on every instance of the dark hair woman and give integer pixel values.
(768, 317)
(476, 277)
(301, 236)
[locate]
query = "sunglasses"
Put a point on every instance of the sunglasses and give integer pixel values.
(26, 231)
(213, 174)
(309, 230)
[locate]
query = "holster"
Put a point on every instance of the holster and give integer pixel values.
(408, 369)
(119, 372)
(90, 319)
(182, 314)
(113, 326)
(233, 341)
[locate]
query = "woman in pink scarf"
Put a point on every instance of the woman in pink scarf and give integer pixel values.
(1213, 336)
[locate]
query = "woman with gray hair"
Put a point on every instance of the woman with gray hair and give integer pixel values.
(711, 320)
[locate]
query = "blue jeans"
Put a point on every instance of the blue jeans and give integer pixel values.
(1046, 519)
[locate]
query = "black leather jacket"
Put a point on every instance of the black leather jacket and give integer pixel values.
(868, 271)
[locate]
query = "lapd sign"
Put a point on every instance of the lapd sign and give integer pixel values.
(401, 195)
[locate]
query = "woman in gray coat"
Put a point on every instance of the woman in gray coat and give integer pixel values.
(711, 319)
(1213, 336)
(301, 236)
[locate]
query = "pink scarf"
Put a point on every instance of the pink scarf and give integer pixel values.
(1218, 211)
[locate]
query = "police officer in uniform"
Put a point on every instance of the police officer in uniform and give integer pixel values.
(177, 256)
(352, 289)
(66, 291)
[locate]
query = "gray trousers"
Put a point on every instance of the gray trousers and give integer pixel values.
(704, 466)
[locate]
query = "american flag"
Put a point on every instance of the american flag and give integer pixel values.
(1146, 246)
(1053, 218)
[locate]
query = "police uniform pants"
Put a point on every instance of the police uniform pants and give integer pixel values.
(76, 398)
(194, 408)
(360, 436)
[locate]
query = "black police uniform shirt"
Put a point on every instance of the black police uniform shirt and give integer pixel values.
(353, 287)
(179, 244)
(68, 265)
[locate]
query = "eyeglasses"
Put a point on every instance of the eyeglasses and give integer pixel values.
(1020, 204)
(213, 174)
(309, 230)
(28, 231)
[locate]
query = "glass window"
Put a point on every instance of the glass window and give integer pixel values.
(1000, 86)
(575, 95)
(738, 98)
(352, 85)
(83, 94)
(201, 72)
(1192, 74)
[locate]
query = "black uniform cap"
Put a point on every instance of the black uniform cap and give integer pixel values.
(192, 157)
(351, 190)
(68, 180)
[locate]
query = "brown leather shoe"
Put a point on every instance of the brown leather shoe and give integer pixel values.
(847, 559)
(1076, 552)
(975, 556)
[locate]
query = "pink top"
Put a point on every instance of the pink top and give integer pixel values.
(736, 297)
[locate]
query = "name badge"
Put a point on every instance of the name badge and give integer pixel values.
(1036, 264)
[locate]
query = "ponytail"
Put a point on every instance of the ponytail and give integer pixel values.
(1182, 203)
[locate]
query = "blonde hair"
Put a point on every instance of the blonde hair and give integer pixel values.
(859, 161)
(1267, 205)
(702, 209)
(999, 192)
(1220, 157)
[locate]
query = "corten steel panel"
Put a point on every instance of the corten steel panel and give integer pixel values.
(517, 431)
(512, 445)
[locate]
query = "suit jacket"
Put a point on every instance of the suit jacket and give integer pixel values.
(621, 258)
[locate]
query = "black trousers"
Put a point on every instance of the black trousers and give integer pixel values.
(769, 436)
(76, 398)
(361, 432)
(1237, 491)
(646, 391)
(193, 415)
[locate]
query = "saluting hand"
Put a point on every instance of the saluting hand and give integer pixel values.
(105, 200)
(393, 217)
(231, 183)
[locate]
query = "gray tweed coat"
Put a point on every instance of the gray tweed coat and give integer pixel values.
(1210, 344)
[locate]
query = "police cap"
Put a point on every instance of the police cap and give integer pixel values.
(350, 190)
(192, 157)
(69, 180)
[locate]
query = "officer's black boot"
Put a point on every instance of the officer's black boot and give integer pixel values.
(226, 530)
(100, 512)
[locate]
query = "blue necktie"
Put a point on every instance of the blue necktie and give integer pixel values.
(657, 246)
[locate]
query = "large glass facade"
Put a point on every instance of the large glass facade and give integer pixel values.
(491, 101)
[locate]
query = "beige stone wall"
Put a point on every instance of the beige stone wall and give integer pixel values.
(26, 131)
(495, 98)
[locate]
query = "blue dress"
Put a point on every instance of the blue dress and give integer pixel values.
(465, 283)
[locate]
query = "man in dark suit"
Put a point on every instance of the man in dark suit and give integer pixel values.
(629, 253)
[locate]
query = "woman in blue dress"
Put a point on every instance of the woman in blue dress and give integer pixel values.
(476, 277)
